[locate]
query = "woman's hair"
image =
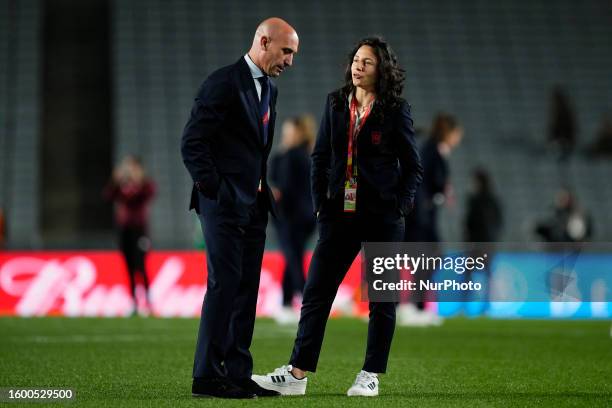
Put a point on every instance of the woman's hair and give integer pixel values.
(391, 76)
(135, 158)
(443, 124)
(307, 127)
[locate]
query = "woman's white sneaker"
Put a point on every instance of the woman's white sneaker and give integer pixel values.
(282, 380)
(366, 385)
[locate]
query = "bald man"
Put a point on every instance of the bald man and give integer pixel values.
(225, 147)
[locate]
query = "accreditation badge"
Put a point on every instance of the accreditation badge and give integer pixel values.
(350, 195)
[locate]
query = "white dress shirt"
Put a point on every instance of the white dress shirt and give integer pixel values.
(256, 73)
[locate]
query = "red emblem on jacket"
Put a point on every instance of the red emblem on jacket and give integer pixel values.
(376, 136)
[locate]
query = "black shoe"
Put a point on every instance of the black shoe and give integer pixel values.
(218, 387)
(251, 386)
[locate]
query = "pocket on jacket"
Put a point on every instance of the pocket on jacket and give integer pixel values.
(225, 196)
(385, 163)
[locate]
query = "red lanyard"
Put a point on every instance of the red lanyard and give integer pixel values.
(352, 135)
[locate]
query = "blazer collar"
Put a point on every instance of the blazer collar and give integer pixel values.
(256, 72)
(248, 96)
(250, 100)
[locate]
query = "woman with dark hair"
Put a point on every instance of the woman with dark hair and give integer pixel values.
(365, 172)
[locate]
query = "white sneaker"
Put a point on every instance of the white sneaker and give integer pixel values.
(283, 381)
(409, 316)
(366, 385)
(287, 316)
(432, 318)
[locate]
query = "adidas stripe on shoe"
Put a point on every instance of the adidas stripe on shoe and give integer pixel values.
(366, 385)
(281, 380)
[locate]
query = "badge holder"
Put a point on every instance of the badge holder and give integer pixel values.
(350, 196)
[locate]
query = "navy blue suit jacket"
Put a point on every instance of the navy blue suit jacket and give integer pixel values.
(290, 173)
(389, 166)
(222, 144)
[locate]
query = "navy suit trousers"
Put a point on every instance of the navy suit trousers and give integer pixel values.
(235, 247)
(341, 235)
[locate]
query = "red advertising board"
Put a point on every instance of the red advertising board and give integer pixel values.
(95, 283)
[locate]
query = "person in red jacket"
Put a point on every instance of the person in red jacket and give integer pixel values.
(132, 191)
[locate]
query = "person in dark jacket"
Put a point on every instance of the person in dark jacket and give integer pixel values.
(562, 125)
(132, 191)
(290, 179)
(435, 191)
(483, 225)
(365, 172)
(483, 220)
(422, 223)
(569, 221)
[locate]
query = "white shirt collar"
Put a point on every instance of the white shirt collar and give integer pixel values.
(255, 71)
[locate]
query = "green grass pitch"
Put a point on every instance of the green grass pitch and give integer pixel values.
(466, 362)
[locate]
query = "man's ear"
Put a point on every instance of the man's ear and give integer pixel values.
(264, 42)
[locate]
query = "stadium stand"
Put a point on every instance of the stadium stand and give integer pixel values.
(492, 64)
(20, 54)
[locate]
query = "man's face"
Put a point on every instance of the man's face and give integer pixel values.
(365, 68)
(278, 52)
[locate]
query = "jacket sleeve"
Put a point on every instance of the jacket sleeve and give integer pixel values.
(210, 109)
(410, 161)
(321, 157)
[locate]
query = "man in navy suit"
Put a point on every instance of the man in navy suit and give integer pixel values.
(225, 147)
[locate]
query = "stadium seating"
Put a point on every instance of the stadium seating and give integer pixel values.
(20, 110)
(490, 63)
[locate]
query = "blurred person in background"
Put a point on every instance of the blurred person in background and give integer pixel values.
(483, 225)
(483, 218)
(568, 223)
(290, 178)
(562, 127)
(435, 191)
(132, 191)
(602, 146)
(365, 172)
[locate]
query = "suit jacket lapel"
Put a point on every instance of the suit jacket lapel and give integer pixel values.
(248, 95)
(273, 95)
(342, 118)
(372, 122)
